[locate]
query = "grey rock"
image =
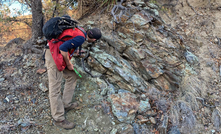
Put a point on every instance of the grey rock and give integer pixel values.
(144, 106)
(191, 58)
(113, 131)
(110, 91)
(105, 59)
(118, 44)
(2, 107)
(174, 130)
(139, 19)
(151, 5)
(123, 91)
(2, 79)
(8, 98)
(125, 129)
(139, 2)
(42, 87)
(90, 22)
(124, 106)
(163, 127)
(141, 129)
(17, 41)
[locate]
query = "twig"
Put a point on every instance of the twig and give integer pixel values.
(218, 41)
(211, 106)
(192, 8)
(55, 8)
(85, 124)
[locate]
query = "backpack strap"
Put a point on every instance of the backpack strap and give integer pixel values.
(82, 30)
(85, 34)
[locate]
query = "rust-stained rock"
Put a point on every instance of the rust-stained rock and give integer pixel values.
(150, 70)
(122, 105)
(132, 33)
(123, 85)
(41, 71)
(96, 65)
(133, 54)
(162, 84)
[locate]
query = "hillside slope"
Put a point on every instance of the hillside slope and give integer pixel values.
(158, 73)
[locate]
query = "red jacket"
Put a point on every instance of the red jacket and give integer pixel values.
(55, 43)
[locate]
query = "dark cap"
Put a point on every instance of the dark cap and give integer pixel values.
(94, 33)
(66, 16)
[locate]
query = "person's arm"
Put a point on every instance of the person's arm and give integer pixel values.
(70, 44)
(70, 66)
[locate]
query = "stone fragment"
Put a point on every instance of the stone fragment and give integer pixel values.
(129, 42)
(2, 79)
(96, 65)
(8, 98)
(134, 54)
(152, 120)
(141, 128)
(151, 5)
(125, 129)
(107, 60)
(174, 130)
(90, 22)
(43, 87)
(162, 84)
(191, 58)
(2, 107)
(113, 131)
(139, 2)
(92, 125)
(122, 104)
(150, 71)
(144, 106)
(163, 126)
(151, 36)
(140, 19)
(41, 71)
(118, 44)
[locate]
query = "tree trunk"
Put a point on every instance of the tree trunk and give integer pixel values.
(37, 23)
(37, 19)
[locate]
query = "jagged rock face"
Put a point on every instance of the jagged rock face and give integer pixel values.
(140, 63)
(138, 53)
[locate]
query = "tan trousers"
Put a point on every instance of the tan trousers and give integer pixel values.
(57, 101)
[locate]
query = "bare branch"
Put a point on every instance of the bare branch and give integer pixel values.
(28, 3)
(192, 7)
(55, 9)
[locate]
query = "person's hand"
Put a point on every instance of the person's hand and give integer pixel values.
(77, 52)
(70, 67)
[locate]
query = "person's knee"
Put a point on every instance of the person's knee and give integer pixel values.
(70, 78)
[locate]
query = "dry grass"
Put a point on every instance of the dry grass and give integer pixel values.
(11, 30)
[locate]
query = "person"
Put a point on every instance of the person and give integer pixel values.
(61, 103)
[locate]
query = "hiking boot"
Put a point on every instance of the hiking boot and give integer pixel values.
(73, 106)
(65, 124)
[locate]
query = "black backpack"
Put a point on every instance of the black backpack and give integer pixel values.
(55, 26)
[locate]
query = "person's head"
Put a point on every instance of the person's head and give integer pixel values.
(93, 35)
